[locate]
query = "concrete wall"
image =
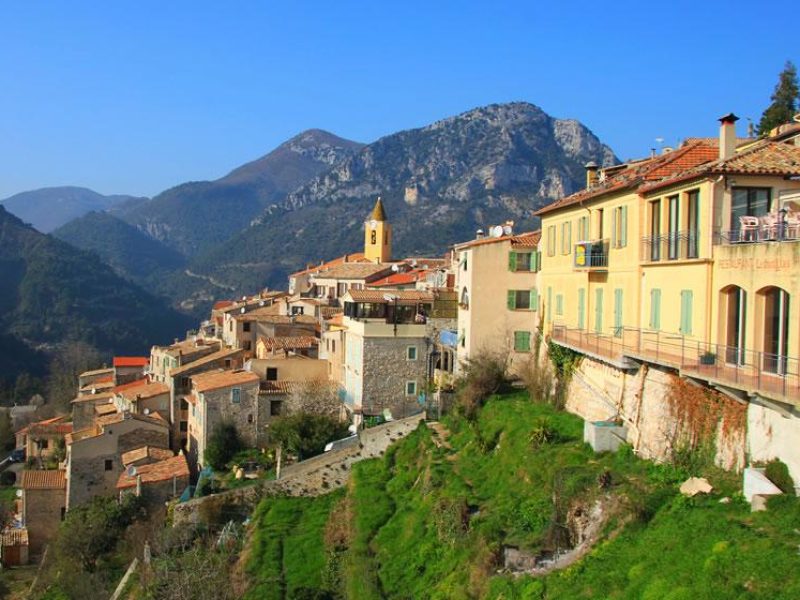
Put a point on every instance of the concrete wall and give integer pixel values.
(773, 432)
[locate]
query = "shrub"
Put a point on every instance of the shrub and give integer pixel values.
(778, 473)
(542, 433)
(484, 374)
(223, 445)
(305, 434)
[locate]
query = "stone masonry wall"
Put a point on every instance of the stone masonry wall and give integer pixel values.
(43, 516)
(386, 371)
(600, 392)
(311, 477)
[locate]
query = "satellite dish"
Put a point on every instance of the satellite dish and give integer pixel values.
(507, 229)
(395, 267)
(242, 310)
(496, 231)
(19, 493)
(146, 411)
(352, 429)
(244, 298)
(130, 471)
(261, 303)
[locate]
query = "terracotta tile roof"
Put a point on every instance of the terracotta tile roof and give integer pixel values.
(144, 391)
(190, 347)
(289, 343)
(380, 296)
(399, 279)
(315, 301)
(43, 480)
(163, 470)
(89, 432)
(105, 409)
(209, 358)
(278, 388)
(132, 456)
(347, 258)
(220, 304)
(93, 397)
(14, 536)
(629, 175)
(527, 239)
(132, 384)
(363, 270)
(105, 385)
(763, 158)
(277, 319)
(336, 320)
(131, 361)
(106, 420)
(54, 426)
(96, 372)
(216, 380)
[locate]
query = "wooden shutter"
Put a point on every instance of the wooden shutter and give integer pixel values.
(623, 234)
(618, 312)
(581, 308)
(534, 299)
(686, 312)
(512, 299)
(598, 310)
(512, 261)
(655, 309)
(614, 228)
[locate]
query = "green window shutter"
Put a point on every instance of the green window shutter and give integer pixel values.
(614, 228)
(618, 312)
(549, 307)
(623, 234)
(512, 261)
(598, 310)
(655, 309)
(686, 312)
(522, 341)
(512, 300)
(581, 308)
(534, 302)
(537, 258)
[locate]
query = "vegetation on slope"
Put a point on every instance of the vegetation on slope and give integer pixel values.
(433, 518)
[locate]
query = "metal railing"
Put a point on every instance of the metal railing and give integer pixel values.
(771, 375)
(679, 245)
(591, 255)
(778, 233)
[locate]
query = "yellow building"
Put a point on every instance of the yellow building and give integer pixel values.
(498, 296)
(378, 235)
(690, 259)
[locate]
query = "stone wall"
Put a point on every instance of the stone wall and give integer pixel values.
(311, 477)
(42, 516)
(386, 372)
(640, 398)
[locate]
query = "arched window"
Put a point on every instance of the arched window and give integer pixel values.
(775, 333)
(734, 305)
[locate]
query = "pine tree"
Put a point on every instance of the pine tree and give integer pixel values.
(785, 100)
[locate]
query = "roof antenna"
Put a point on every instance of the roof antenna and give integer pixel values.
(751, 129)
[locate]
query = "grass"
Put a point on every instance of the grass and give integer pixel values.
(430, 521)
(287, 548)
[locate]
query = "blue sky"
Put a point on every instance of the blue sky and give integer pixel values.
(134, 97)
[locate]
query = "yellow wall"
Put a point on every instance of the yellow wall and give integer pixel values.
(381, 250)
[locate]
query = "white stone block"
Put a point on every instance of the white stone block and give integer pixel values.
(756, 483)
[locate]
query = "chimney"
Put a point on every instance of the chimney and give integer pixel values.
(727, 136)
(591, 174)
(479, 234)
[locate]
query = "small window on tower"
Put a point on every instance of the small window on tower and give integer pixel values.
(386, 237)
(373, 237)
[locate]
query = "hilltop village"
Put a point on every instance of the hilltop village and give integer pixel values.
(670, 276)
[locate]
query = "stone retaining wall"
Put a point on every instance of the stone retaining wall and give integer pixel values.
(312, 477)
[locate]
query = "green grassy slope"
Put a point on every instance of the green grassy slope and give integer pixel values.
(431, 518)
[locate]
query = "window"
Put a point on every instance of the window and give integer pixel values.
(411, 353)
(775, 303)
(227, 363)
(411, 388)
(583, 229)
(735, 303)
(686, 312)
(619, 232)
(559, 305)
(183, 426)
(520, 261)
(655, 308)
(522, 299)
(184, 404)
(749, 202)
(246, 326)
(598, 310)
(385, 237)
(63, 512)
(551, 240)
(373, 237)
(275, 408)
(463, 261)
(333, 345)
(247, 345)
(673, 227)
(272, 374)
(297, 310)
(600, 224)
(184, 382)
(341, 289)
(693, 223)
(522, 341)
(655, 230)
(618, 312)
(108, 464)
(250, 418)
(566, 237)
(236, 395)
(464, 298)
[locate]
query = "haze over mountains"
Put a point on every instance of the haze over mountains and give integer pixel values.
(307, 199)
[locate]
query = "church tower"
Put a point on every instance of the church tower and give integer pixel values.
(378, 235)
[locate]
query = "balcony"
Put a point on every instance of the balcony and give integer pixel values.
(591, 256)
(679, 245)
(750, 371)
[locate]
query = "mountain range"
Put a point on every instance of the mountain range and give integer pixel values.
(49, 208)
(307, 199)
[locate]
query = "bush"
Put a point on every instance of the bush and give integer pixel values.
(538, 379)
(484, 374)
(778, 473)
(223, 445)
(305, 435)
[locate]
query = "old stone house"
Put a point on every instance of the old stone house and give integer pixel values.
(156, 482)
(43, 438)
(43, 504)
(143, 397)
(84, 408)
(94, 454)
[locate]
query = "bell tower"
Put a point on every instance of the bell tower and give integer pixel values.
(378, 235)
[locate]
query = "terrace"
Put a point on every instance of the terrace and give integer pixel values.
(769, 375)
